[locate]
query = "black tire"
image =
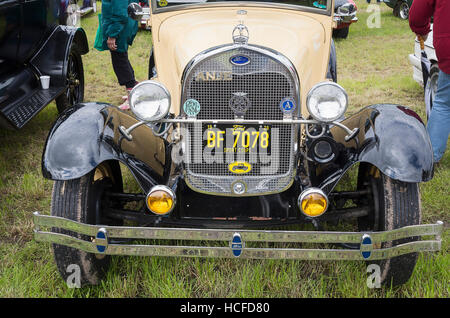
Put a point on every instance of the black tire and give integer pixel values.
(74, 92)
(401, 10)
(396, 10)
(396, 204)
(341, 33)
(434, 76)
(81, 200)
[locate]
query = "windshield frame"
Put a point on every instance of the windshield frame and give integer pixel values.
(243, 4)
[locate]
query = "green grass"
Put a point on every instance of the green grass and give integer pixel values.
(372, 66)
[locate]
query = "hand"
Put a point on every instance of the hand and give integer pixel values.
(111, 42)
(424, 37)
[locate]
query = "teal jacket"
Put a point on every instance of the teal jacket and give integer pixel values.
(115, 23)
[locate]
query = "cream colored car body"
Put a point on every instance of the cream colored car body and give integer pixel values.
(179, 35)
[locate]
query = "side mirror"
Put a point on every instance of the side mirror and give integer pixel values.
(135, 11)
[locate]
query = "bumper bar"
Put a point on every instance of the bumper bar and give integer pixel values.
(370, 242)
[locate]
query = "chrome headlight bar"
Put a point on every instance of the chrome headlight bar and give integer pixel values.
(350, 133)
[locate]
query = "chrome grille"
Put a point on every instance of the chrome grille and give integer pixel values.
(265, 81)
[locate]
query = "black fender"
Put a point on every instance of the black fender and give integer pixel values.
(74, 147)
(83, 137)
(391, 137)
(52, 57)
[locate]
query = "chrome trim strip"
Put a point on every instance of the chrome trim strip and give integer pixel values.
(227, 235)
(240, 4)
(240, 121)
(288, 121)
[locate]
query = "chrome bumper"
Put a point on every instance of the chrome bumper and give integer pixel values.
(370, 242)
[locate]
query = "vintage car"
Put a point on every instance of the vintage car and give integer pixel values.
(400, 7)
(239, 133)
(32, 44)
(73, 10)
(344, 15)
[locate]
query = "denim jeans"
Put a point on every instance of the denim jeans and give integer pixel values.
(439, 122)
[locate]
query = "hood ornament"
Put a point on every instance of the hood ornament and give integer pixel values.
(240, 34)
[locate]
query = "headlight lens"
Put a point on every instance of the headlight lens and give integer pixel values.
(149, 101)
(327, 101)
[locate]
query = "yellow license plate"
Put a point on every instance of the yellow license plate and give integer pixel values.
(238, 138)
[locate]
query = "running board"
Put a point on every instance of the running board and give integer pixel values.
(22, 111)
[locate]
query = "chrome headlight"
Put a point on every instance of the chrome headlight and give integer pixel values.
(149, 101)
(327, 101)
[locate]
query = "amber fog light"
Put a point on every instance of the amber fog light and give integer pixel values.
(161, 200)
(313, 202)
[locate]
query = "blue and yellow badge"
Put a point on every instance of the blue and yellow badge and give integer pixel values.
(287, 105)
(240, 167)
(191, 107)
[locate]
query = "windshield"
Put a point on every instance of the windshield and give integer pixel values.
(320, 5)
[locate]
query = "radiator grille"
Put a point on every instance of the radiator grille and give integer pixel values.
(264, 82)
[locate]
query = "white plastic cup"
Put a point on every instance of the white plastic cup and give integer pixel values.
(45, 81)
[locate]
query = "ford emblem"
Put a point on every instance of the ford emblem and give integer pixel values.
(236, 244)
(239, 60)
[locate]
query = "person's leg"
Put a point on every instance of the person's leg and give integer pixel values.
(123, 69)
(439, 122)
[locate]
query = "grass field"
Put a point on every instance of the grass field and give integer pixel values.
(372, 66)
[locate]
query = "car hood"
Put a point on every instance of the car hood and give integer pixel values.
(301, 37)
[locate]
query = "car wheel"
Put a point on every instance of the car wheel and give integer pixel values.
(341, 33)
(401, 10)
(74, 92)
(81, 200)
(395, 204)
(434, 77)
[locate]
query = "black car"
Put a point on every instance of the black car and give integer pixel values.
(33, 44)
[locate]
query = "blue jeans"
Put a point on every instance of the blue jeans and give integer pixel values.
(439, 122)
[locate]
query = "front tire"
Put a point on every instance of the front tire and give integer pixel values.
(396, 204)
(81, 200)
